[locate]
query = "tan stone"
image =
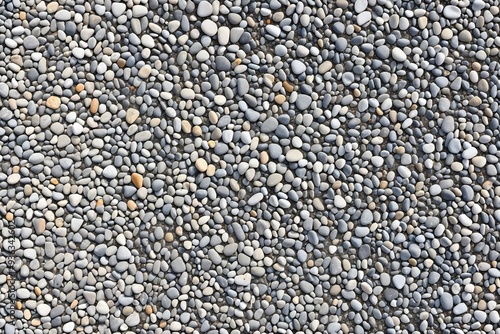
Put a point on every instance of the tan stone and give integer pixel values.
(35, 322)
(94, 105)
(475, 101)
(280, 99)
(210, 170)
(264, 157)
(79, 88)
(186, 126)
(131, 205)
(38, 291)
(137, 180)
(53, 102)
(169, 237)
(121, 62)
(213, 117)
(22, 15)
(9, 216)
(131, 115)
(201, 165)
(288, 86)
(99, 202)
(148, 309)
(197, 130)
(52, 7)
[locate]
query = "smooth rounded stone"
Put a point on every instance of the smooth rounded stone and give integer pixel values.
(63, 15)
(448, 124)
(469, 153)
(102, 307)
(133, 319)
(377, 161)
(363, 18)
(460, 308)
(339, 202)
(390, 294)
(452, 12)
(144, 72)
(110, 172)
(398, 54)
(201, 164)
(298, 67)
(404, 172)
(454, 146)
(269, 125)
(366, 217)
(325, 67)
(131, 115)
(364, 252)
(36, 158)
(123, 253)
(118, 8)
(360, 5)
(175, 326)
(398, 281)
(294, 155)
(303, 102)
(204, 9)
(43, 309)
(178, 265)
(306, 287)
(446, 300)
(256, 198)
(383, 52)
(209, 27)
(31, 42)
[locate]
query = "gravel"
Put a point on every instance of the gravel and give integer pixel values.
(250, 166)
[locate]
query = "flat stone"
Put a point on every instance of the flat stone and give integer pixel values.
(269, 125)
(209, 27)
(452, 12)
(303, 102)
(131, 115)
(110, 172)
(201, 165)
(294, 155)
(178, 265)
(398, 54)
(446, 300)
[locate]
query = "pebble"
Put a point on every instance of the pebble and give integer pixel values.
(195, 166)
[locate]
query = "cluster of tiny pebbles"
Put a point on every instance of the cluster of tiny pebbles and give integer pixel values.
(250, 166)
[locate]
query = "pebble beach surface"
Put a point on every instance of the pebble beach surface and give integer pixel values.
(246, 167)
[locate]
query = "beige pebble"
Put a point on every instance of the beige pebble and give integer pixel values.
(211, 143)
(446, 33)
(27, 314)
(9, 216)
(131, 115)
(94, 105)
(201, 165)
(137, 180)
(53, 102)
(280, 99)
(35, 322)
(210, 170)
(179, 230)
(22, 15)
(52, 7)
(264, 157)
(186, 126)
(475, 101)
(131, 205)
(213, 117)
(169, 237)
(288, 86)
(38, 291)
(79, 88)
(148, 309)
(197, 130)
